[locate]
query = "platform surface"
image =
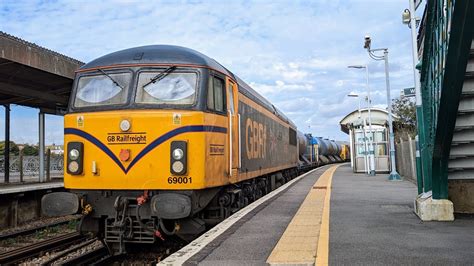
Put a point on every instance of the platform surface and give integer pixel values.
(370, 221)
(25, 187)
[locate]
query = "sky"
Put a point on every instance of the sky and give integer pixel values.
(294, 53)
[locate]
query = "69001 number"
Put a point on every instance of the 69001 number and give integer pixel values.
(179, 180)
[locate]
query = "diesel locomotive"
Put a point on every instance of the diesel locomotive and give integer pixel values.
(163, 140)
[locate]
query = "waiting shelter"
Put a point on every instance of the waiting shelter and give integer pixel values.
(356, 125)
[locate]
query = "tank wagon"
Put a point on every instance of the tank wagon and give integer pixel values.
(163, 140)
(319, 151)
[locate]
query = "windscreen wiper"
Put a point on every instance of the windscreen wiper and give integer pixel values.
(160, 76)
(112, 79)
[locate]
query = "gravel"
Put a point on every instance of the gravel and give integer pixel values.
(93, 246)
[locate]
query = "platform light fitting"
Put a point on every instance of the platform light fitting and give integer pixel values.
(367, 42)
(357, 66)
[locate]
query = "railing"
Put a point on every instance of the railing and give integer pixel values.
(448, 36)
(27, 167)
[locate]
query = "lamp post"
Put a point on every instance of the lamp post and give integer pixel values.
(393, 174)
(362, 127)
(371, 134)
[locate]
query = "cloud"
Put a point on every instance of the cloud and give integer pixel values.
(296, 55)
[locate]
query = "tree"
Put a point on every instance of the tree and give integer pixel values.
(29, 150)
(404, 125)
(13, 148)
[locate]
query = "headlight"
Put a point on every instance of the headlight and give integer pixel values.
(178, 154)
(73, 154)
(178, 167)
(125, 125)
(73, 167)
(178, 157)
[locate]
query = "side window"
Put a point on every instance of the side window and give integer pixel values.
(216, 95)
(210, 94)
(292, 136)
(230, 91)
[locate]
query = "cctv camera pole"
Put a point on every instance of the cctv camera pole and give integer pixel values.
(394, 174)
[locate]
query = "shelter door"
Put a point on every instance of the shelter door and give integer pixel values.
(234, 128)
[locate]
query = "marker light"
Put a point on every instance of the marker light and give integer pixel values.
(125, 125)
(73, 167)
(178, 154)
(178, 166)
(75, 158)
(73, 154)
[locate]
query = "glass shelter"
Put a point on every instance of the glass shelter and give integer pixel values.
(363, 141)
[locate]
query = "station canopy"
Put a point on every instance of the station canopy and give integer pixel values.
(33, 76)
(379, 117)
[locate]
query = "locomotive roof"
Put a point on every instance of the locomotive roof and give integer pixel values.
(177, 55)
(162, 54)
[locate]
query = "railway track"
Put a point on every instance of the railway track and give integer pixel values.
(34, 229)
(26, 252)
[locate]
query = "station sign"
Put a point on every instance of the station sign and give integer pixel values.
(408, 92)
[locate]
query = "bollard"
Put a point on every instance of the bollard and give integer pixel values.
(21, 165)
(48, 165)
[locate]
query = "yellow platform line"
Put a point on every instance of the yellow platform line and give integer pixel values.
(322, 255)
(306, 239)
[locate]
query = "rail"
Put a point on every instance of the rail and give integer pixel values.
(448, 34)
(23, 253)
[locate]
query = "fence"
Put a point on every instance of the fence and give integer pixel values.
(26, 168)
(406, 159)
